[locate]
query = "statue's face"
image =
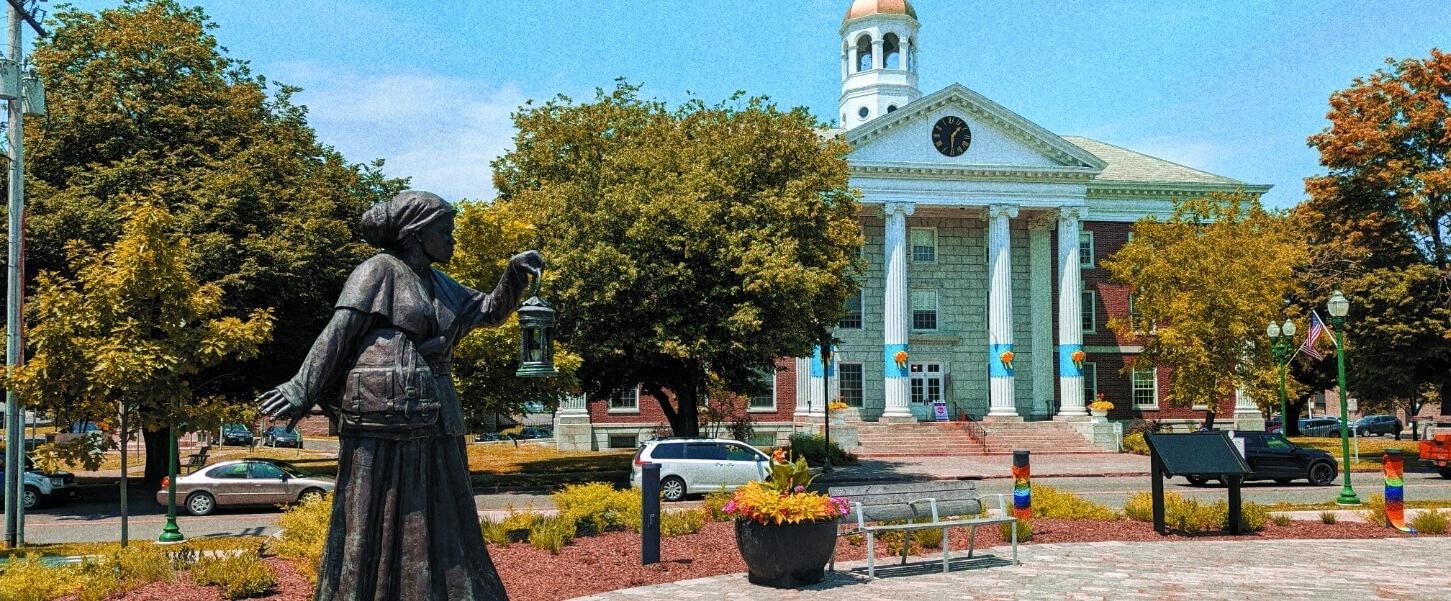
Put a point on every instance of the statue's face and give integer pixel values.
(437, 240)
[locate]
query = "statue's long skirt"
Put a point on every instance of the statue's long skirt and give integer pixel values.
(404, 525)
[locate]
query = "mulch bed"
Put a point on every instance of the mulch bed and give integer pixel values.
(610, 561)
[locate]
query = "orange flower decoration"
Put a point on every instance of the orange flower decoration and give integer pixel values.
(1007, 358)
(901, 358)
(779, 456)
(1078, 359)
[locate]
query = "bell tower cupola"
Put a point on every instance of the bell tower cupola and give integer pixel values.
(878, 59)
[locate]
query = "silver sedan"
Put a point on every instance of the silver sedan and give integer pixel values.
(245, 482)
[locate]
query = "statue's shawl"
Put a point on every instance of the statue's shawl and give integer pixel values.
(384, 286)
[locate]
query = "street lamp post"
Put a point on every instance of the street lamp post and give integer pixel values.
(170, 533)
(1338, 307)
(1282, 336)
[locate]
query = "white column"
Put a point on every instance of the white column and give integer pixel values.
(897, 311)
(818, 395)
(855, 58)
(1000, 311)
(878, 61)
(1247, 414)
(803, 387)
(1070, 312)
(1040, 278)
(904, 51)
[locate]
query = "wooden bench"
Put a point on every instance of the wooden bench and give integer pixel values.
(197, 460)
(943, 504)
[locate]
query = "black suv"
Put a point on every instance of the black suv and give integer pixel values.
(1272, 457)
(1378, 424)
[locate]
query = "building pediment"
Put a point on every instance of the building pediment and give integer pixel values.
(1003, 142)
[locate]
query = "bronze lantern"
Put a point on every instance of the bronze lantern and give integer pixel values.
(536, 339)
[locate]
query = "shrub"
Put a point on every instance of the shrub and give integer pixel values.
(814, 448)
(551, 533)
(597, 506)
(1328, 517)
(304, 532)
(241, 576)
(929, 538)
(494, 531)
(713, 506)
(521, 520)
(1430, 521)
(1025, 531)
(1049, 502)
(1191, 516)
(1375, 510)
(1280, 520)
(677, 523)
(1134, 443)
(28, 579)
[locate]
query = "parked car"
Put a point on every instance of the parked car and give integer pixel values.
(278, 436)
(42, 487)
(694, 465)
(244, 482)
(1273, 457)
(1320, 426)
(491, 437)
(535, 432)
(80, 429)
(1379, 425)
(237, 434)
(1273, 424)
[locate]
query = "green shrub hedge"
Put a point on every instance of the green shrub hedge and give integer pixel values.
(815, 449)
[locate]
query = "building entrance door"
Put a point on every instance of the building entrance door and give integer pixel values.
(927, 386)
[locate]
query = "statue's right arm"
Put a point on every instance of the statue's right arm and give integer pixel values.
(328, 358)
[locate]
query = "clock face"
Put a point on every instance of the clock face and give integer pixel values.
(951, 136)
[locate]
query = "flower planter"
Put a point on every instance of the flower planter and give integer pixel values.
(838, 417)
(1098, 412)
(786, 555)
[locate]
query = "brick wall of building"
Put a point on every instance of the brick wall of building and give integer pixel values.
(648, 409)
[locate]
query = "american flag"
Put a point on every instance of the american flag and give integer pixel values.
(1317, 329)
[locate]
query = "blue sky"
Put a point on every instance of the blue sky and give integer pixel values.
(1229, 87)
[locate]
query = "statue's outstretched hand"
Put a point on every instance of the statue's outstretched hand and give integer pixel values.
(275, 405)
(530, 261)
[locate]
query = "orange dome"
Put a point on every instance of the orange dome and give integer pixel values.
(867, 8)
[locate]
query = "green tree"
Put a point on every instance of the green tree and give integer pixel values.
(144, 103)
(131, 334)
(684, 244)
(485, 360)
(1379, 228)
(1206, 282)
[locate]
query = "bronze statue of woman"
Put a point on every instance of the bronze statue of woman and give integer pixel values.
(404, 524)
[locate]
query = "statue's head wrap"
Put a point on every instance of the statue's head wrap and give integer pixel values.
(389, 224)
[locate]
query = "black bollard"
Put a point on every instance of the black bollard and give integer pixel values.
(650, 514)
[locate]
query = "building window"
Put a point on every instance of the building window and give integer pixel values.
(863, 112)
(891, 108)
(765, 401)
(853, 383)
(1085, 249)
(924, 244)
(927, 382)
(625, 400)
(852, 318)
(1090, 312)
(623, 441)
(924, 309)
(1146, 388)
(1090, 382)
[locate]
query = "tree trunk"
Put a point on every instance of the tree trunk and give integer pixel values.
(1445, 397)
(1209, 418)
(1291, 425)
(156, 457)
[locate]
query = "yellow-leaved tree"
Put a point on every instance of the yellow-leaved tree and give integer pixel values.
(127, 336)
(1206, 283)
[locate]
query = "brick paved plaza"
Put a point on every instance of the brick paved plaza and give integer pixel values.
(1407, 568)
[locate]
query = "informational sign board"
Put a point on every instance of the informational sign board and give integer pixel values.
(1207, 454)
(1239, 446)
(939, 411)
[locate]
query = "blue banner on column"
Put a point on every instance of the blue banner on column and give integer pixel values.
(889, 364)
(816, 367)
(995, 366)
(1066, 367)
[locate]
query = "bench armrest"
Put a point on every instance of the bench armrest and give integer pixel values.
(932, 503)
(1002, 504)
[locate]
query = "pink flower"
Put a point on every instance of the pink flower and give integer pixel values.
(800, 488)
(730, 507)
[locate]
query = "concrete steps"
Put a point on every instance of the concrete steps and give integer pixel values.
(932, 439)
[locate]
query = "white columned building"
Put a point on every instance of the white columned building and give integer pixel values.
(896, 313)
(1070, 301)
(1000, 313)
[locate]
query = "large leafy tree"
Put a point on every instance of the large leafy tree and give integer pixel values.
(1379, 227)
(1206, 282)
(687, 245)
(485, 360)
(144, 103)
(132, 333)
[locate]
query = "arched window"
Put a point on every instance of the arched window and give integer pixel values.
(891, 52)
(864, 53)
(891, 108)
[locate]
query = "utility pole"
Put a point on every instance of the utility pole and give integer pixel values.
(15, 293)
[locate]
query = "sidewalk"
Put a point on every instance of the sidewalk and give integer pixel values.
(976, 467)
(1398, 568)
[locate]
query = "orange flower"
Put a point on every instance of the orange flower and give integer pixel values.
(779, 456)
(1007, 358)
(901, 358)
(1078, 359)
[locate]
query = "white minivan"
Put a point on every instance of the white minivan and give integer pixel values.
(700, 465)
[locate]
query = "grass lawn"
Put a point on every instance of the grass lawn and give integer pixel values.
(1371, 448)
(530, 464)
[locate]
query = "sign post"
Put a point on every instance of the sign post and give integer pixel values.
(650, 514)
